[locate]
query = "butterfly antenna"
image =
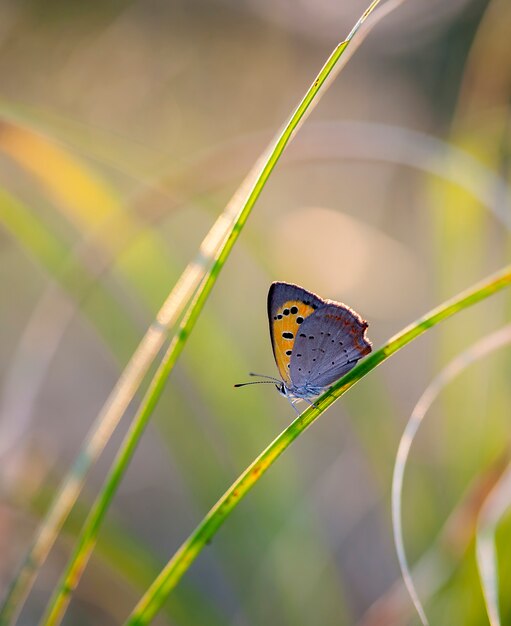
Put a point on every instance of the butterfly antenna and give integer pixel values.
(256, 382)
(277, 380)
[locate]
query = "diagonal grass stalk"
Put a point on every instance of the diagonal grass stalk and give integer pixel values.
(217, 240)
(156, 595)
(87, 537)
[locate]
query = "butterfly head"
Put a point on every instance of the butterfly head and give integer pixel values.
(281, 388)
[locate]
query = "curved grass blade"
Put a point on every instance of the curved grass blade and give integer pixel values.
(376, 141)
(480, 349)
(486, 554)
(437, 565)
(494, 508)
(156, 595)
(241, 205)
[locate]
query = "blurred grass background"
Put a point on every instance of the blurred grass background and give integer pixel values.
(124, 129)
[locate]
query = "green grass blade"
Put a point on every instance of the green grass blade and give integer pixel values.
(87, 539)
(496, 505)
(480, 349)
(437, 566)
(120, 552)
(486, 552)
(156, 595)
(217, 240)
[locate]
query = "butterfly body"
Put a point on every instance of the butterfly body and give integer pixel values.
(314, 341)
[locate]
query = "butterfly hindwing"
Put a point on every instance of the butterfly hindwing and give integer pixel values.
(328, 344)
(288, 308)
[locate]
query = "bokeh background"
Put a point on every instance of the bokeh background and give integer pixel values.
(125, 127)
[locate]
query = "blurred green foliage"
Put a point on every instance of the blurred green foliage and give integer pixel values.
(125, 128)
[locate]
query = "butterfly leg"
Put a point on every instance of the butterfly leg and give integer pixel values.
(292, 403)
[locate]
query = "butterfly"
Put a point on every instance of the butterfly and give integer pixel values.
(314, 341)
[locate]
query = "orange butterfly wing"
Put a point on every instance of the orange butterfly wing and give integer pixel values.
(285, 329)
(288, 306)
